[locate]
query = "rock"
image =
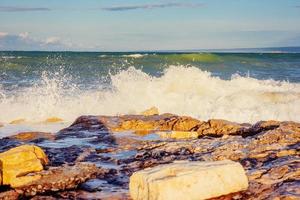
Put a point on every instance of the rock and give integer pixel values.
(267, 150)
(270, 158)
(178, 134)
(28, 136)
(18, 121)
(188, 180)
(150, 111)
(17, 162)
(53, 120)
(9, 195)
(165, 122)
(218, 127)
(59, 178)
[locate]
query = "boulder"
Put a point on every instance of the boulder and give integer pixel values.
(17, 162)
(150, 111)
(188, 180)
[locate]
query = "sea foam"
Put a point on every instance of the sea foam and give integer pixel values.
(180, 90)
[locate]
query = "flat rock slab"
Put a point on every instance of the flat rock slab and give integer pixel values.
(188, 180)
(60, 178)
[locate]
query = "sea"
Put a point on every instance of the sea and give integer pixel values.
(243, 87)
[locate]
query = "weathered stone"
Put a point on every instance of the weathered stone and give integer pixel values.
(60, 178)
(178, 134)
(18, 121)
(53, 120)
(17, 162)
(28, 136)
(164, 122)
(268, 151)
(150, 111)
(9, 195)
(220, 127)
(188, 180)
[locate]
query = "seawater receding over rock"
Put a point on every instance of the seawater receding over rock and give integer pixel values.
(188, 180)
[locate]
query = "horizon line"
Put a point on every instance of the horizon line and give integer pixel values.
(217, 50)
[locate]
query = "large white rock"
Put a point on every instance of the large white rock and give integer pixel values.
(188, 181)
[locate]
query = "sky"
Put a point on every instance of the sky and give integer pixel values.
(133, 25)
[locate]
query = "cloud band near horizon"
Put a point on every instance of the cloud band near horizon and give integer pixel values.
(150, 6)
(22, 9)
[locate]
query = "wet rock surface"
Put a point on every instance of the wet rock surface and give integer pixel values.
(121, 145)
(59, 178)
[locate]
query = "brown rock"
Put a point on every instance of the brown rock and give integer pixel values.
(270, 157)
(28, 136)
(218, 127)
(53, 120)
(18, 121)
(178, 134)
(59, 178)
(9, 195)
(164, 122)
(150, 111)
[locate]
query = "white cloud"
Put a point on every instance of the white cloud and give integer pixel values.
(52, 40)
(24, 35)
(24, 41)
(3, 34)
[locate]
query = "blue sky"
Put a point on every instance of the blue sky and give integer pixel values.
(120, 25)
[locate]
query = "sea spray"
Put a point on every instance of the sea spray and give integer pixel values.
(180, 90)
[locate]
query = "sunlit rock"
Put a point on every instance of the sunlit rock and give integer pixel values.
(28, 136)
(150, 111)
(188, 180)
(17, 162)
(18, 121)
(220, 127)
(178, 134)
(53, 120)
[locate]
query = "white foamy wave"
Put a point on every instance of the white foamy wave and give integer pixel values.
(10, 57)
(180, 90)
(137, 55)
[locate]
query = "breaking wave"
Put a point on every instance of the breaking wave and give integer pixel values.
(180, 90)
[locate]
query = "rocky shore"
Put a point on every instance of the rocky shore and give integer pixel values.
(95, 156)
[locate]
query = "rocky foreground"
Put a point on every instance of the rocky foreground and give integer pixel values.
(96, 155)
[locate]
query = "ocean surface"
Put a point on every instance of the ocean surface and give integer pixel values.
(241, 87)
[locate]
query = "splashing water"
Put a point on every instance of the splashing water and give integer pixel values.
(180, 90)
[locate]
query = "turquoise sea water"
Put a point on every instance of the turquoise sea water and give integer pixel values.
(24, 68)
(243, 87)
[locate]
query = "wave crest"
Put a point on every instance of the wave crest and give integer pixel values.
(180, 90)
